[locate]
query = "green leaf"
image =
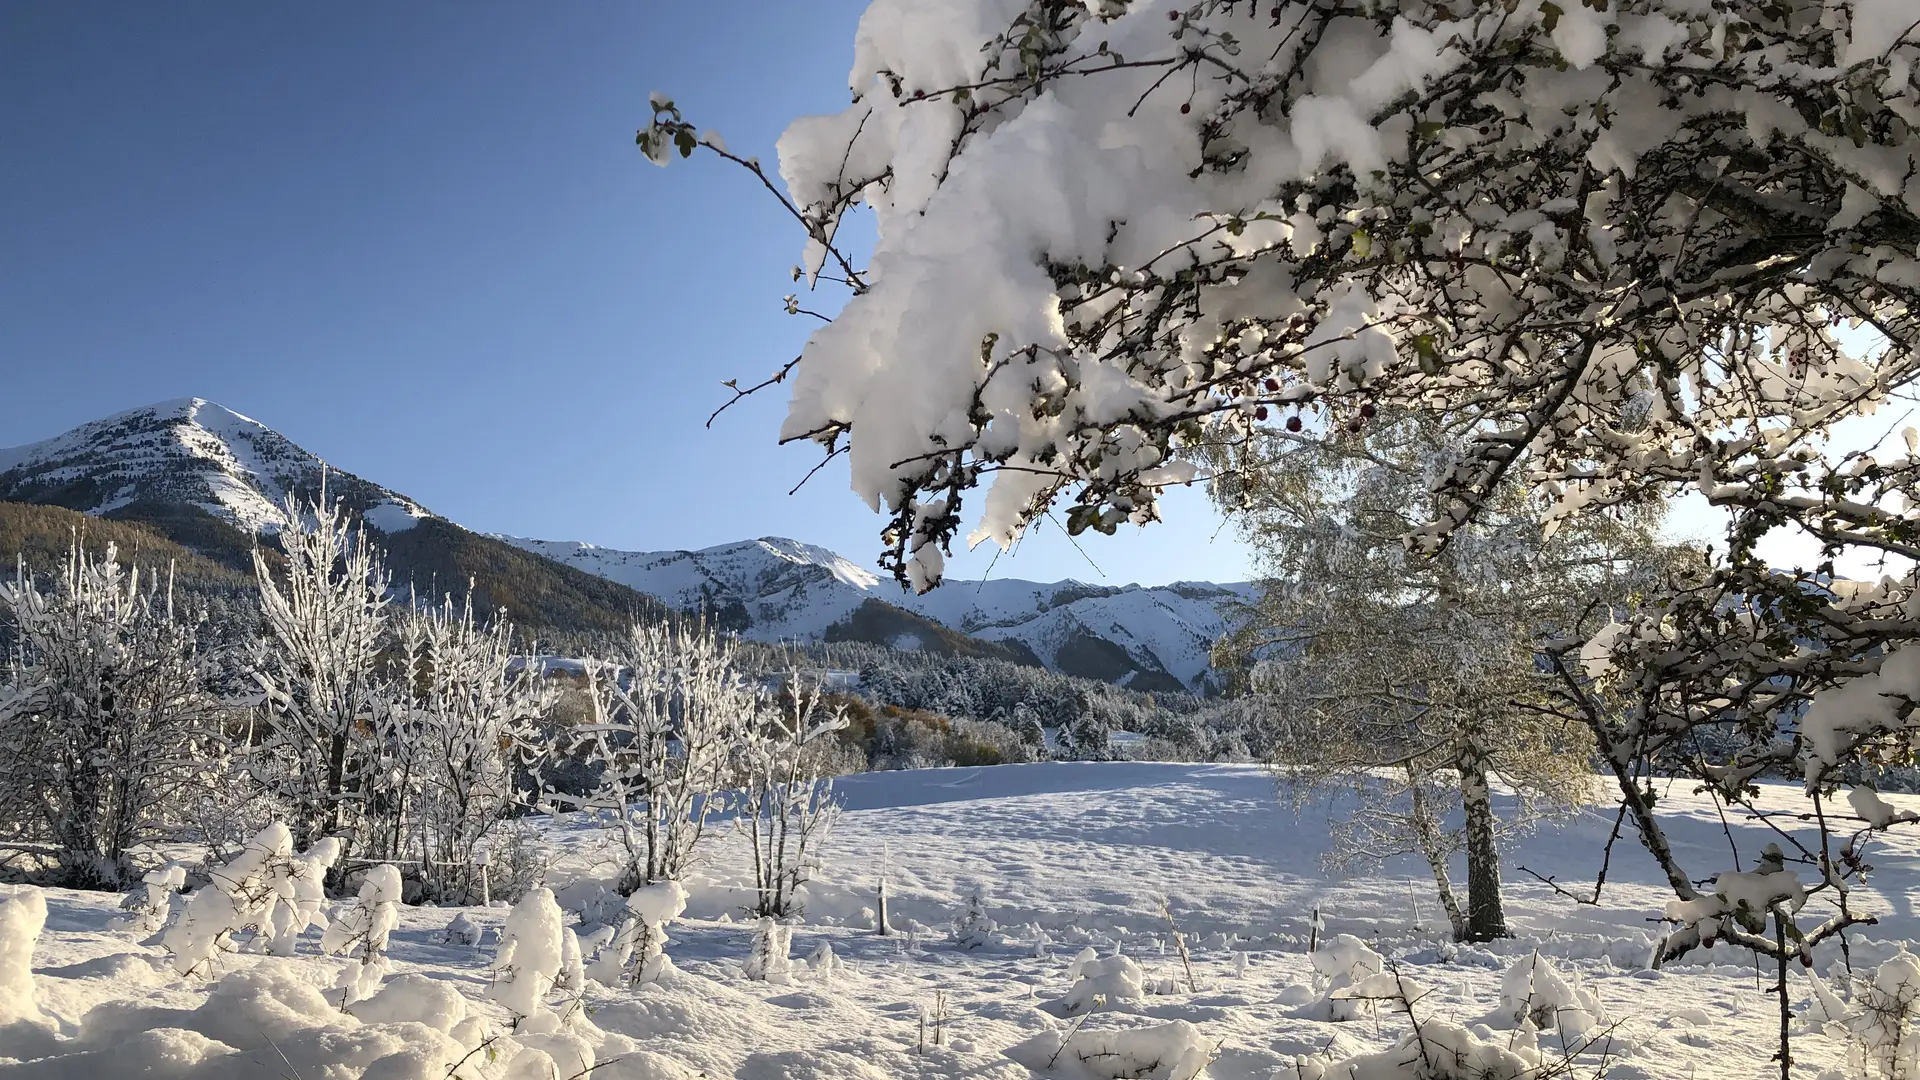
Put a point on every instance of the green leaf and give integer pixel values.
(685, 141)
(1550, 13)
(1362, 243)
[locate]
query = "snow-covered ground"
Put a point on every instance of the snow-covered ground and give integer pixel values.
(1068, 856)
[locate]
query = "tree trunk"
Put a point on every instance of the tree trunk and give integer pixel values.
(1426, 828)
(1486, 918)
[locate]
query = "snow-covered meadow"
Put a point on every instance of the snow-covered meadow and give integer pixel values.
(1067, 857)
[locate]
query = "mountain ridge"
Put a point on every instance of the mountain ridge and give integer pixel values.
(774, 588)
(214, 481)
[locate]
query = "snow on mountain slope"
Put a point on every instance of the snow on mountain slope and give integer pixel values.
(782, 589)
(190, 451)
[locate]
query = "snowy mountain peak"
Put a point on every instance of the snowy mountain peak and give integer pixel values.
(774, 588)
(186, 450)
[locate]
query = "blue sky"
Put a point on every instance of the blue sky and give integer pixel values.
(417, 239)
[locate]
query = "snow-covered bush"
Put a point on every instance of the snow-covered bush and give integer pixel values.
(973, 927)
(107, 712)
(1879, 1028)
(362, 929)
(1534, 992)
(1356, 981)
(461, 714)
(1436, 1050)
(530, 959)
(150, 905)
(669, 707)
(240, 897)
(769, 959)
(637, 952)
(23, 912)
(787, 808)
(320, 669)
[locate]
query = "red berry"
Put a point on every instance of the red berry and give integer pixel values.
(1353, 425)
(918, 94)
(1273, 386)
(1367, 410)
(1293, 423)
(1173, 16)
(1275, 13)
(1260, 413)
(1186, 107)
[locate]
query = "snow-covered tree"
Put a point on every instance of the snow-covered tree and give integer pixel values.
(787, 807)
(1409, 679)
(769, 959)
(530, 960)
(462, 714)
(319, 666)
(1628, 249)
(109, 720)
(669, 707)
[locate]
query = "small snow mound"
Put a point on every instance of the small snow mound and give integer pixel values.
(1175, 1051)
(1115, 978)
(413, 999)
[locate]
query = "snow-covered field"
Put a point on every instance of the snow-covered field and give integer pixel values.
(1068, 856)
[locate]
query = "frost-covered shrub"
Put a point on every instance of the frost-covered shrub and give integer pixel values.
(1879, 1027)
(769, 959)
(973, 928)
(668, 711)
(239, 896)
(637, 952)
(360, 932)
(517, 861)
(787, 807)
(531, 957)
(303, 894)
(108, 714)
(1356, 980)
(149, 906)
(1435, 1050)
(460, 714)
(1534, 992)
(23, 912)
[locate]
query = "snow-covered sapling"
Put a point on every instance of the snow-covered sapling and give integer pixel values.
(823, 962)
(1534, 992)
(303, 894)
(973, 928)
(361, 931)
(531, 955)
(149, 906)
(769, 960)
(637, 952)
(239, 896)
